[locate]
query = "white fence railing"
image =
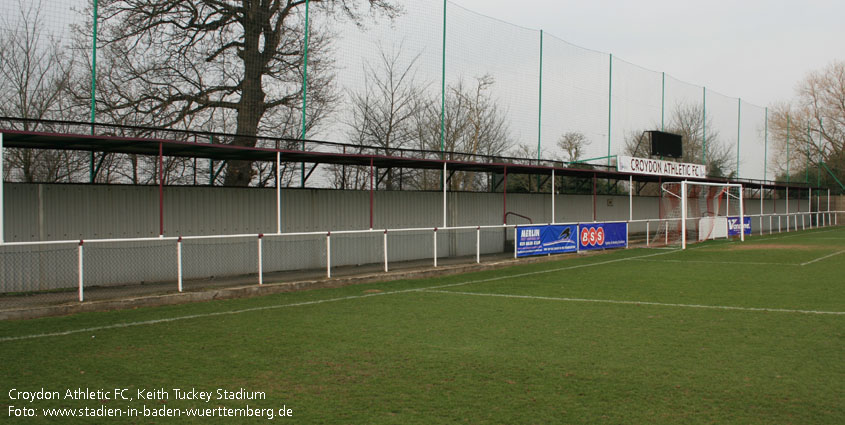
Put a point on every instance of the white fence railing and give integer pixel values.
(55, 265)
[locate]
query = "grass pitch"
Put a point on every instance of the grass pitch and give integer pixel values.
(726, 332)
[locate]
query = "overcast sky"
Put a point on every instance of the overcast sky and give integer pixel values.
(753, 49)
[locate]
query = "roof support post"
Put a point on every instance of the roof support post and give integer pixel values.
(505, 199)
(594, 196)
(278, 192)
(2, 235)
(371, 193)
(160, 190)
(444, 194)
(553, 195)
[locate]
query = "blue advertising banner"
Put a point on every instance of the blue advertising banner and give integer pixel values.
(603, 235)
(542, 240)
(733, 226)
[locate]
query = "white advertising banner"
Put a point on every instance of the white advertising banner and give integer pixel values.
(657, 167)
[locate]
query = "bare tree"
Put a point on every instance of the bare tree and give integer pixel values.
(383, 113)
(169, 59)
(572, 144)
(35, 71)
(474, 125)
(815, 124)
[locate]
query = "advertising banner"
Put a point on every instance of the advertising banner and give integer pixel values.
(656, 167)
(733, 226)
(542, 240)
(603, 235)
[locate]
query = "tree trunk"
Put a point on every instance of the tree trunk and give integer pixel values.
(251, 106)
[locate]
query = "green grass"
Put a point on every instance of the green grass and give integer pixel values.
(631, 336)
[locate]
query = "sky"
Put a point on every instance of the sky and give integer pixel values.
(755, 50)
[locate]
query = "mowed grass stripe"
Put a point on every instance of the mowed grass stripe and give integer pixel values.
(320, 301)
(424, 358)
(698, 306)
(717, 273)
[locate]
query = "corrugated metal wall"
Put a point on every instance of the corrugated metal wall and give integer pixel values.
(35, 212)
(67, 211)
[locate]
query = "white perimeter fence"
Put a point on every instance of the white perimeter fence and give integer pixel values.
(29, 267)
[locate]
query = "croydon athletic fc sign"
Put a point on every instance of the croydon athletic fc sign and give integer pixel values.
(656, 167)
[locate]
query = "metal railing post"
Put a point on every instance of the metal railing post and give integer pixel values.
(329, 255)
(179, 264)
(385, 250)
(478, 244)
(260, 260)
(435, 247)
(80, 273)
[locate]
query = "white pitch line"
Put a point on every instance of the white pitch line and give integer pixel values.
(821, 258)
(720, 262)
(305, 303)
(585, 300)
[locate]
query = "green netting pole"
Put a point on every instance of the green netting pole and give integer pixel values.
(819, 165)
(766, 145)
(443, 104)
(304, 92)
(738, 121)
(609, 105)
(809, 160)
(787, 147)
(93, 86)
(443, 86)
(829, 172)
(663, 104)
(704, 126)
(540, 109)
(818, 168)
